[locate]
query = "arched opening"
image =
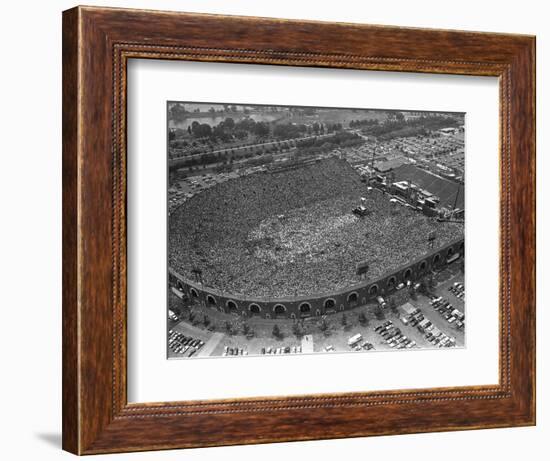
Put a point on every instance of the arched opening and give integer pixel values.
(194, 293)
(254, 309)
(353, 298)
(373, 290)
(407, 274)
(450, 252)
(436, 259)
(391, 282)
(211, 301)
(330, 304)
(293, 316)
(305, 308)
(279, 309)
(423, 266)
(317, 312)
(231, 306)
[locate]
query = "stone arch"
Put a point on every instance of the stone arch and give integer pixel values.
(373, 290)
(211, 301)
(407, 274)
(423, 266)
(279, 309)
(353, 298)
(329, 303)
(194, 293)
(305, 308)
(231, 305)
(436, 259)
(254, 309)
(450, 251)
(391, 282)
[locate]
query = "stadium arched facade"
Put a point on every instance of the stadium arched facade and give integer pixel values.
(325, 303)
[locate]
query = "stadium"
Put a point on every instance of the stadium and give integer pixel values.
(285, 242)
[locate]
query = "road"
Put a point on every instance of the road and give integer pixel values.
(174, 161)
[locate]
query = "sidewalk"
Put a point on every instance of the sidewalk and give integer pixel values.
(210, 345)
(307, 344)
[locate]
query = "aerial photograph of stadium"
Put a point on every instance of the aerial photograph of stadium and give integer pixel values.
(297, 230)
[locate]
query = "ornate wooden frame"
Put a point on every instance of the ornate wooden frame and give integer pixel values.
(97, 43)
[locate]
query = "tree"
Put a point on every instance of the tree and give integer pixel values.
(344, 320)
(297, 330)
(229, 123)
(206, 320)
(362, 318)
(393, 306)
(276, 331)
(379, 313)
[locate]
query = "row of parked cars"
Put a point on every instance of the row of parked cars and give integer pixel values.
(173, 316)
(431, 333)
(234, 351)
(282, 350)
(448, 311)
(181, 344)
(357, 343)
(393, 336)
(440, 339)
(458, 290)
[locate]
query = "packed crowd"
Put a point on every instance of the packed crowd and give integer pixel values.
(292, 233)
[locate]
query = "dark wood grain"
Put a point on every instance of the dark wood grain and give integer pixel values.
(97, 44)
(70, 392)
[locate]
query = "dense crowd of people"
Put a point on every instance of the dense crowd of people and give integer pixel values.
(292, 232)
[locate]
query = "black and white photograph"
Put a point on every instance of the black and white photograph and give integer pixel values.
(299, 230)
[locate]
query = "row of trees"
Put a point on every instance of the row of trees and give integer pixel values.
(228, 129)
(400, 127)
(178, 111)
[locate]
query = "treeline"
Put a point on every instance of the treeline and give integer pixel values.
(412, 127)
(228, 129)
(363, 123)
(292, 131)
(340, 139)
(178, 111)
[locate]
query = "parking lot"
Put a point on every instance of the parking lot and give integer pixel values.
(332, 333)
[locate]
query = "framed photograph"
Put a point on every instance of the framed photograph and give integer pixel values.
(284, 230)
